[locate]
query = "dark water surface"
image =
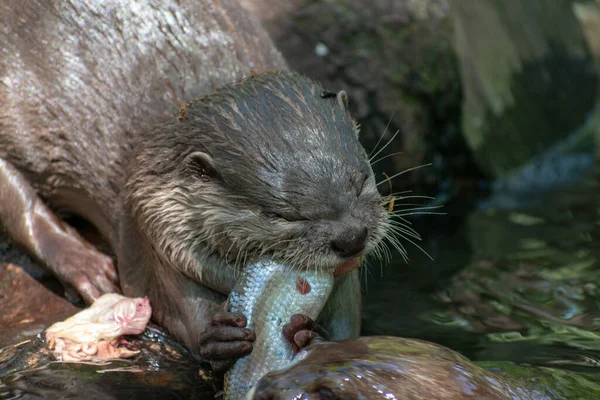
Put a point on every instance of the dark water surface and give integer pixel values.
(517, 284)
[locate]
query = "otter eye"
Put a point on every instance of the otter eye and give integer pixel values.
(276, 215)
(285, 217)
(271, 214)
(201, 165)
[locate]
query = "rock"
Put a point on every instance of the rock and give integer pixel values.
(27, 306)
(528, 77)
(588, 13)
(162, 370)
(380, 367)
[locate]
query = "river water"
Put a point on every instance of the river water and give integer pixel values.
(510, 282)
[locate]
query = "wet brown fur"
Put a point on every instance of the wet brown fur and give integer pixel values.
(90, 122)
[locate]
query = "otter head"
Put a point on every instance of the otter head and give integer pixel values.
(271, 166)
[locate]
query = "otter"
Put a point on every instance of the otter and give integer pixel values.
(98, 119)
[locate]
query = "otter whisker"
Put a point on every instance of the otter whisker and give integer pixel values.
(394, 241)
(418, 213)
(404, 172)
(385, 146)
(379, 258)
(396, 220)
(399, 193)
(386, 156)
(406, 229)
(420, 248)
(382, 135)
(387, 251)
(399, 218)
(398, 247)
(373, 254)
(376, 252)
(245, 258)
(397, 232)
(382, 246)
(423, 208)
(398, 198)
(403, 231)
(408, 232)
(248, 251)
(366, 273)
(396, 204)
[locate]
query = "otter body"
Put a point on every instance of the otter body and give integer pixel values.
(90, 96)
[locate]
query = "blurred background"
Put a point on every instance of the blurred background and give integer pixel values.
(501, 98)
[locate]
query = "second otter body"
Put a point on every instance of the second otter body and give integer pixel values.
(264, 167)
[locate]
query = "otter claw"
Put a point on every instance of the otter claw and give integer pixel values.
(301, 331)
(226, 340)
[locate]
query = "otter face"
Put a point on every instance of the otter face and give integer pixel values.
(270, 167)
(285, 174)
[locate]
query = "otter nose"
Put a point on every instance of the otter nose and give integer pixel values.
(350, 242)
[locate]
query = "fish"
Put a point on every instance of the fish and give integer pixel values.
(90, 335)
(268, 294)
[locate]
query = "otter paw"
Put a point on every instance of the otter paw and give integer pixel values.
(226, 340)
(86, 270)
(302, 331)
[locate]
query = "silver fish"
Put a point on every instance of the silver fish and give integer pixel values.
(269, 294)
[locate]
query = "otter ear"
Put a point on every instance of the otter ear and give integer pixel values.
(341, 97)
(344, 103)
(201, 165)
(343, 100)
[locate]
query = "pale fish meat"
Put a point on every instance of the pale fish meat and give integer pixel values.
(269, 294)
(90, 335)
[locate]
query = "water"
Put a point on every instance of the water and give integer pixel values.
(518, 283)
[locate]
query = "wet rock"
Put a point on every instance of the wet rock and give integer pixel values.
(27, 306)
(528, 79)
(392, 368)
(162, 370)
(588, 13)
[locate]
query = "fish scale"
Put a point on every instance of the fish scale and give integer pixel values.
(268, 294)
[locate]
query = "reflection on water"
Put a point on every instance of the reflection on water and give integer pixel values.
(507, 284)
